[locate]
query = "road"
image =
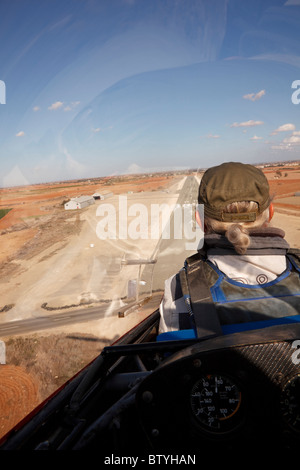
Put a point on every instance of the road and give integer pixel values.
(170, 254)
(54, 320)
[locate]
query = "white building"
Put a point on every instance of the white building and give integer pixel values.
(79, 202)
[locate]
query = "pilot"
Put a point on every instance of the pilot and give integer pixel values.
(245, 273)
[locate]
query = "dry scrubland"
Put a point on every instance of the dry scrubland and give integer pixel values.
(38, 364)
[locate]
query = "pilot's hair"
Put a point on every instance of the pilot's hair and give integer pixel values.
(238, 233)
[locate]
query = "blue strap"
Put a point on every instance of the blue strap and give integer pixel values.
(228, 329)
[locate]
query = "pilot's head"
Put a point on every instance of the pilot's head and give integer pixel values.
(236, 199)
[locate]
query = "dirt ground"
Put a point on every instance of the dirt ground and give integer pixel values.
(284, 184)
(33, 207)
(36, 231)
(18, 393)
(36, 365)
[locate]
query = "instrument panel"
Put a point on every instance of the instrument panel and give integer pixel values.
(228, 395)
(215, 402)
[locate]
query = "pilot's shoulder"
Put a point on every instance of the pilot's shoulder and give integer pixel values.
(173, 287)
(294, 253)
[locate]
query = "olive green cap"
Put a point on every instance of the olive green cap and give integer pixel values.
(233, 182)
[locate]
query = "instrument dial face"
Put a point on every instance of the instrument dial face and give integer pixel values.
(215, 400)
(290, 403)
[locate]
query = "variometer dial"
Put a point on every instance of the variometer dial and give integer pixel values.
(215, 399)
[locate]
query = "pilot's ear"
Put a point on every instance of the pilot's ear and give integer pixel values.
(199, 220)
(271, 211)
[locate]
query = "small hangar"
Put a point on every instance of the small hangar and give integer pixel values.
(79, 202)
(102, 196)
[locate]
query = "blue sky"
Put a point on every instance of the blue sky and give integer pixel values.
(103, 87)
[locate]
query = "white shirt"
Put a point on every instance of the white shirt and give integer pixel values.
(250, 269)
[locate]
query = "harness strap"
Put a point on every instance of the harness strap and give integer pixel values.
(198, 299)
(293, 255)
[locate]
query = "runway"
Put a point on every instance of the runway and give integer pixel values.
(169, 254)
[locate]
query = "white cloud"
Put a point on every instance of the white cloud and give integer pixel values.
(284, 128)
(56, 105)
(71, 106)
(255, 137)
(250, 123)
(100, 129)
(293, 139)
(289, 143)
(20, 134)
(255, 96)
(213, 136)
(281, 147)
(36, 108)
